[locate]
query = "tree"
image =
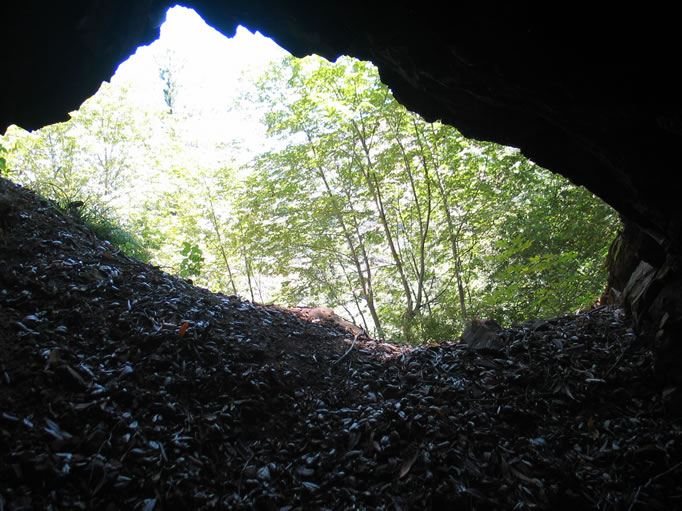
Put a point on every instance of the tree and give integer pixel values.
(547, 257)
(363, 159)
(416, 218)
(47, 159)
(356, 203)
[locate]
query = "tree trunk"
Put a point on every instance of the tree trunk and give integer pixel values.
(214, 222)
(365, 282)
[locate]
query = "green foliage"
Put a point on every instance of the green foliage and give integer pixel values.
(3, 162)
(549, 257)
(82, 165)
(444, 327)
(358, 204)
(409, 220)
(103, 223)
(192, 259)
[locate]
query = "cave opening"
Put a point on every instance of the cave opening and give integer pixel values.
(123, 386)
(226, 163)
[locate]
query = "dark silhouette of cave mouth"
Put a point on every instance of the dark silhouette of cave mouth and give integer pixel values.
(592, 97)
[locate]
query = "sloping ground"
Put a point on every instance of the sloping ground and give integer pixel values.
(122, 387)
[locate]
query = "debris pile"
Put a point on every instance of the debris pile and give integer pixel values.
(122, 387)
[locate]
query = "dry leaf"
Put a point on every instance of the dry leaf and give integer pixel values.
(183, 329)
(407, 463)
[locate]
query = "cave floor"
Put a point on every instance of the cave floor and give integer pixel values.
(123, 387)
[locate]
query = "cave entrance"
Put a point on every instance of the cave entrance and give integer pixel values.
(305, 182)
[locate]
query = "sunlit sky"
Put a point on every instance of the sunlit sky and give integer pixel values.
(210, 68)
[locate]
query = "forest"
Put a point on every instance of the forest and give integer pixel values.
(402, 226)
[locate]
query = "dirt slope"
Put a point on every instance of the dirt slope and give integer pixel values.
(122, 387)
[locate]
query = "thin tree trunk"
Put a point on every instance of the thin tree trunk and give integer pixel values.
(214, 222)
(365, 282)
(454, 246)
(355, 298)
(375, 190)
(247, 266)
(424, 224)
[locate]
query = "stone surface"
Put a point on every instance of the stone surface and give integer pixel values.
(483, 334)
(592, 95)
(631, 246)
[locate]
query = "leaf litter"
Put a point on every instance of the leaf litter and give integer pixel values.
(123, 387)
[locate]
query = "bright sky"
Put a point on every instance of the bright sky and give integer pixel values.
(209, 67)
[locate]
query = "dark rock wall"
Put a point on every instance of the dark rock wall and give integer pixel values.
(593, 95)
(56, 54)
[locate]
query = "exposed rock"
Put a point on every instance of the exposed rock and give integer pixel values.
(483, 334)
(635, 291)
(631, 246)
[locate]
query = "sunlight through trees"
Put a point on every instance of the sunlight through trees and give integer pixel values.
(314, 186)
